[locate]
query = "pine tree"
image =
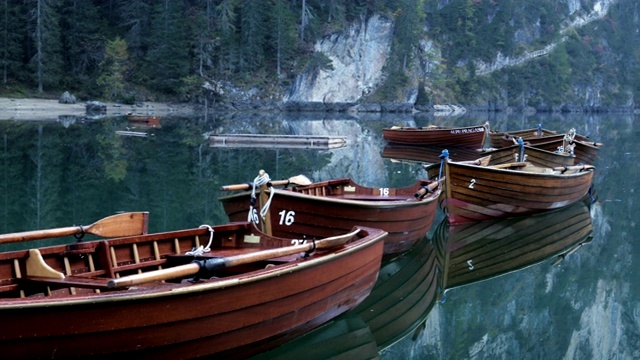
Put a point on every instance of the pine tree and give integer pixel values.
(113, 69)
(45, 31)
(10, 37)
(168, 56)
(283, 36)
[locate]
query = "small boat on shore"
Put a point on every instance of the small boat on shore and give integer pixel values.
(491, 189)
(228, 291)
(144, 120)
(330, 207)
(465, 136)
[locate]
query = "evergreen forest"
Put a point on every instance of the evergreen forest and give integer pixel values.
(131, 50)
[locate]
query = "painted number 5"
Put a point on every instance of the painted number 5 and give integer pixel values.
(286, 217)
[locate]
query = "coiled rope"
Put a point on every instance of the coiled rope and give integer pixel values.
(201, 249)
(260, 180)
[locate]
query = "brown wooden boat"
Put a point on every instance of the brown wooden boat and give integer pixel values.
(484, 189)
(532, 137)
(485, 249)
(432, 155)
(584, 152)
(163, 295)
(144, 120)
(466, 136)
(331, 207)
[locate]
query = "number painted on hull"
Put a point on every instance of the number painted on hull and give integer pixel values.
(287, 217)
(384, 191)
(254, 216)
(473, 182)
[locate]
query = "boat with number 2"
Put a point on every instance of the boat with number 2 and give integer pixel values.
(229, 291)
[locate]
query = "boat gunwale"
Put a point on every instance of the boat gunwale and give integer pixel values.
(208, 285)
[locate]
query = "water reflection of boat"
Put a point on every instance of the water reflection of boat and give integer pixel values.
(345, 337)
(404, 294)
(402, 298)
(481, 250)
(144, 120)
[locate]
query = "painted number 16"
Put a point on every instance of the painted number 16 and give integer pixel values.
(286, 217)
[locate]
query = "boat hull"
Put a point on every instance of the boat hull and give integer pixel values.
(481, 193)
(231, 317)
(299, 215)
(469, 136)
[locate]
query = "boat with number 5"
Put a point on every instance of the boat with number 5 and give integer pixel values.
(228, 291)
(327, 208)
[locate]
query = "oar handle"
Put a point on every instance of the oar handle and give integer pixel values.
(156, 275)
(248, 186)
(234, 260)
(427, 189)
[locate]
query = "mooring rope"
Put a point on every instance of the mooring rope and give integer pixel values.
(201, 249)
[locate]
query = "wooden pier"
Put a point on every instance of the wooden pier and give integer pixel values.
(277, 141)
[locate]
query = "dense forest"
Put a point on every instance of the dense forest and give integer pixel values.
(120, 49)
(130, 50)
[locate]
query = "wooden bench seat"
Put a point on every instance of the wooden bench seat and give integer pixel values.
(68, 281)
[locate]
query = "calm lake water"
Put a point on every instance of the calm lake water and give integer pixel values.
(73, 171)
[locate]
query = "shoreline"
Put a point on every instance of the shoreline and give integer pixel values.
(31, 109)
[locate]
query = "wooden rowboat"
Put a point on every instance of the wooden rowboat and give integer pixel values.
(482, 250)
(532, 137)
(149, 296)
(467, 136)
(145, 120)
(482, 189)
(331, 207)
(432, 155)
(584, 152)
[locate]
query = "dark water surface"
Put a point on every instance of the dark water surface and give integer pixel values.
(586, 306)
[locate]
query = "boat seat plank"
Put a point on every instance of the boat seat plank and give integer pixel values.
(68, 281)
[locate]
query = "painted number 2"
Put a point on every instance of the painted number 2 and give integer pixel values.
(473, 181)
(286, 217)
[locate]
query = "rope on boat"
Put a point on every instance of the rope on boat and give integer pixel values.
(201, 249)
(261, 179)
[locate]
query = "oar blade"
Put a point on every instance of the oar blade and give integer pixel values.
(123, 224)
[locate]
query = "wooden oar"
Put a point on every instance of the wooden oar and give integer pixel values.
(429, 188)
(124, 224)
(575, 168)
(222, 262)
(297, 180)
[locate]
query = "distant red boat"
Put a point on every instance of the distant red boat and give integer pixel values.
(240, 293)
(146, 120)
(467, 136)
(330, 207)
